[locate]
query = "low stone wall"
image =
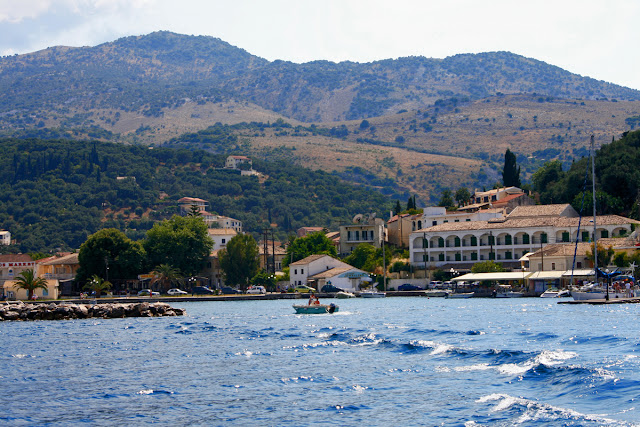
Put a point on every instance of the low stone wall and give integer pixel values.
(60, 311)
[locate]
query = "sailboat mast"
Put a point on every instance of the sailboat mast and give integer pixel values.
(595, 236)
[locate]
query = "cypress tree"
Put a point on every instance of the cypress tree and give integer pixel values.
(511, 171)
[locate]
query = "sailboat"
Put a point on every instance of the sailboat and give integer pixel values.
(372, 293)
(595, 290)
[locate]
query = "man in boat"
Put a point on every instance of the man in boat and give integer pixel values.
(313, 299)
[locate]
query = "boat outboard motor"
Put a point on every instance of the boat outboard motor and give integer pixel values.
(332, 308)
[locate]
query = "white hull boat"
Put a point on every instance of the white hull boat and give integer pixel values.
(459, 295)
(372, 294)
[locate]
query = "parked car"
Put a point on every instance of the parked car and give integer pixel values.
(448, 284)
(228, 290)
(147, 292)
(435, 284)
(201, 290)
(304, 289)
(176, 291)
(331, 289)
(409, 287)
(256, 290)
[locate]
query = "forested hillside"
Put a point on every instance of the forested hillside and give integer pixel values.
(617, 180)
(57, 192)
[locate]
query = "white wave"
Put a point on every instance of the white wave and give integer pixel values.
(479, 367)
(539, 411)
(359, 389)
(546, 357)
(246, 353)
(438, 348)
(21, 356)
(149, 391)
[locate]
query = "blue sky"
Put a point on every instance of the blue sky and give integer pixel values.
(594, 38)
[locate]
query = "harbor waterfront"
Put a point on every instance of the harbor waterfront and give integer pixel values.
(402, 361)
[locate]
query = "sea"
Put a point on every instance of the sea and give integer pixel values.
(409, 361)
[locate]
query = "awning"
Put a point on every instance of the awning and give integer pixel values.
(526, 256)
(541, 275)
(503, 275)
(580, 273)
(354, 274)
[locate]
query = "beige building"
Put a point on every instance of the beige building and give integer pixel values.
(12, 265)
(11, 291)
(221, 237)
(369, 230)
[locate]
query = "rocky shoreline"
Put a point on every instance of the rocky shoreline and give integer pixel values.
(64, 311)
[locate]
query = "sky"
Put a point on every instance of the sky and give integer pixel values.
(593, 38)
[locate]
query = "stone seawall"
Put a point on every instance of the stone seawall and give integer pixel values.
(60, 311)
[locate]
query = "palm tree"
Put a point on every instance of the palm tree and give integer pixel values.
(27, 280)
(166, 275)
(97, 285)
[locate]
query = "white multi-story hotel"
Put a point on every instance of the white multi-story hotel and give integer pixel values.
(459, 245)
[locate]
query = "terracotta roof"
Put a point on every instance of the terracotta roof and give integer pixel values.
(309, 259)
(507, 199)
(540, 210)
(568, 249)
(66, 260)
(16, 258)
(221, 231)
(526, 222)
(190, 199)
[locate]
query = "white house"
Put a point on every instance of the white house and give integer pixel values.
(319, 270)
(221, 237)
(5, 237)
(526, 229)
(363, 230)
(233, 162)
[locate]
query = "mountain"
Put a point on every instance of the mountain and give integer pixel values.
(424, 123)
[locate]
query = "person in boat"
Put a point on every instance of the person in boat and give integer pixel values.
(313, 299)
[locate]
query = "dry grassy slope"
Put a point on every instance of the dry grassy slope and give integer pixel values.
(490, 126)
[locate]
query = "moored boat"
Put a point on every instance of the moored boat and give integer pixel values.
(344, 295)
(459, 295)
(315, 308)
(372, 294)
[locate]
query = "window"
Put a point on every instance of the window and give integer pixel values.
(468, 219)
(492, 239)
(543, 238)
(348, 235)
(508, 255)
(579, 264)
(525, 239)
(474, 256)
(492, 255)
(565, 236)
(357, 235)
(419, 225)
(425, 243)
(585, 235)
(445, 221)
(425, 258)
(224, 241)
(440, 242)
(434, 222)
(507, 239)
(553, 264)
(441, 257)
(295, 271)
(457, 220)
(456, 241)
(474, 241)
(604, 233)
(458, 257)
(302, 271)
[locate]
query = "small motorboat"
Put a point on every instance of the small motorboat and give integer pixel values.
(315, 308)
(372, 294)
(459, 295)
(344, 295)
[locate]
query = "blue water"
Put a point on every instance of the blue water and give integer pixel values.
(393, 361)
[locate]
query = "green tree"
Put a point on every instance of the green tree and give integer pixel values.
(487, 267)
(462, 195)
(111, 253)
(604, 255)
(97, 285)
(167, 275)
(544, 180)
(446, 200)
(181, 242)
(368, 258)
(397, 209)
(312, 244)
(268, 280)
(239, 260)
(27, 280)
(194, 211)
(511, 171)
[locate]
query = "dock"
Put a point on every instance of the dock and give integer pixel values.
(604, 301)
